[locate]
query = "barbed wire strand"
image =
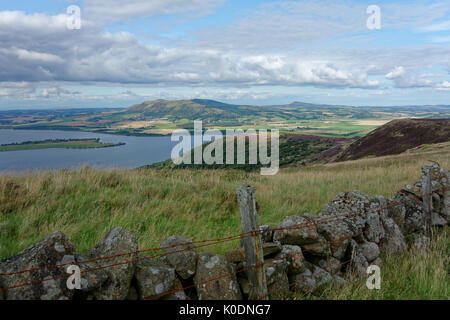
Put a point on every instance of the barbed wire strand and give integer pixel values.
(331, 219)
(247, 234)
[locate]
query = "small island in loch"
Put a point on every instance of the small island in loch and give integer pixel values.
(88, 143)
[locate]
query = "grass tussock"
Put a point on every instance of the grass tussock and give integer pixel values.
(154, 204)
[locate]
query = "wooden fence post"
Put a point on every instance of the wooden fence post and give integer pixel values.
(252, 244)
(427, 202)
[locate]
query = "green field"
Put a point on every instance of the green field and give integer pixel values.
(161, 117)
(58, 143)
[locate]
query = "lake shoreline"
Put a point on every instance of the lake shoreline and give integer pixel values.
(64, 128)
(87, 143)
(137, 151)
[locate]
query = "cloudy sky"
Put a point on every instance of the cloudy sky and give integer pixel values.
(252, 52)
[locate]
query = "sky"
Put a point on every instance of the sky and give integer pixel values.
(116, 53)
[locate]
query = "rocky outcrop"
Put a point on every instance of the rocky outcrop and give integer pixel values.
(294, 258)
(414, 220)
(296, 230)
(394, 241)
(330, 264)
(276, 276)
(238, 255)
(358, 262)
(224, 285)
(440, 187)
(155, 279)
(337, 232)
(180, 253)
(369, 250)
(93, 275)
(310, 280)
(38, 265)
(116, 253)
(321, 277)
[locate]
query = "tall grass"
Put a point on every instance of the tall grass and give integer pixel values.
(154, 204)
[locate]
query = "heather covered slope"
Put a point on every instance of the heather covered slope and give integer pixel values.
(398, 136)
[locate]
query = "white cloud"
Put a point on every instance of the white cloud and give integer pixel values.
(18, 20)
(444, 86)
(396, 73)
(27, 55)
(258, 50)
(107, 11)
(56, 92)
(286, 25)
(17, 90)
(93, 55)
(404, 79)
(280, 25)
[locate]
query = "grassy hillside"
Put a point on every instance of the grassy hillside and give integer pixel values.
(154, 204)
(398, 136)
(294, 150)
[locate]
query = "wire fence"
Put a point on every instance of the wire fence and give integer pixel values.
(132, 256)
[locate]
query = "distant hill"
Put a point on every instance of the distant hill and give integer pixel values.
(299, 104)
(215, 111)
(398, 136)
(196, 109)
(162, 117)
(183, 112)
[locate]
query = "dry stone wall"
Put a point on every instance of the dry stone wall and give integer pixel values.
(302, 254)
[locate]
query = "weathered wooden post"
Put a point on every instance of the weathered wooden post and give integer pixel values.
(252, 243)
(427, 202)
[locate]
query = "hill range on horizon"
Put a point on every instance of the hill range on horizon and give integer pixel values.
(161, 117)
(217, 103)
